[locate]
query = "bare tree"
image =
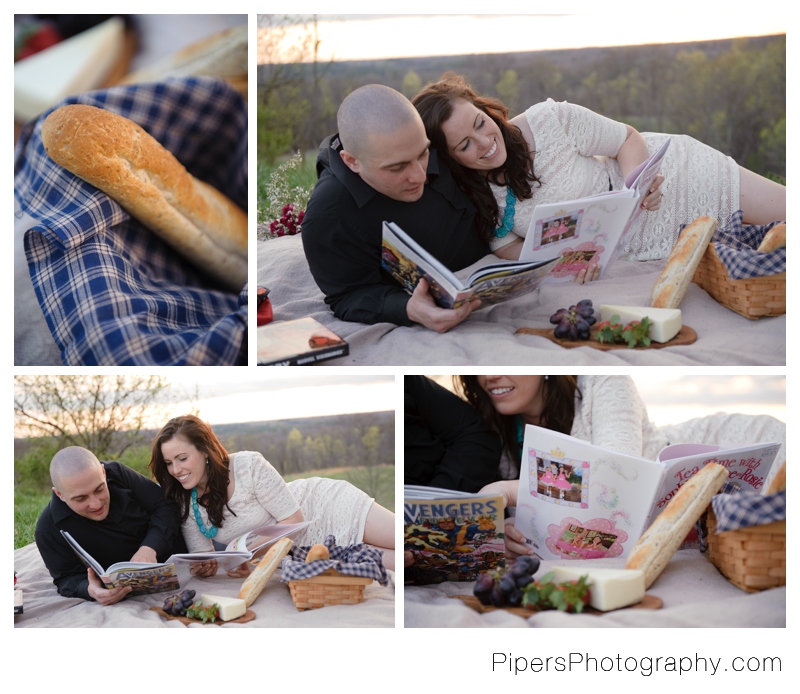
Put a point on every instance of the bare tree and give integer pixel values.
(102, 413)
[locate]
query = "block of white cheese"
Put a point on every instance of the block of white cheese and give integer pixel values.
(609, 589)
(75, 65)
(666, 322)
(229, 608)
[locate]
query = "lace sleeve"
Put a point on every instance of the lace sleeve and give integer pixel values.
(272, 493)
(591, 133)
(611, 414)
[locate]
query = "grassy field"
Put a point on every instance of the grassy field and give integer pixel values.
(377, 482)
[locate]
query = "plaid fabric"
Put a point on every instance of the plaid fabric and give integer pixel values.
(735, 509)
(736, 246)
(113, 292)
(355, 560)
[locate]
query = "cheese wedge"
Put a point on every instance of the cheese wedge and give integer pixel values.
(610, 589)
(229, 608)
(666, 322)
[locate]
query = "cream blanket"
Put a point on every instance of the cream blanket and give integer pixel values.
(694, 594)
(44, 607)
(487, 336)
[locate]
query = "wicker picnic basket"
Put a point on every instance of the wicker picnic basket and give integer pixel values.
(329, 588)
(751, 558)
(752, 298)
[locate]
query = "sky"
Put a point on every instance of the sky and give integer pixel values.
(672, 399)
(370, 37)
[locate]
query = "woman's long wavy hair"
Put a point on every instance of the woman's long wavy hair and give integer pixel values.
(435, 106)
(558, 413)
(196, 432)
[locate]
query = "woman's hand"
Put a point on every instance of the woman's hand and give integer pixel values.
(652, 201)
(241, 571)
(589, 274)
(204, 569)
(515, 541)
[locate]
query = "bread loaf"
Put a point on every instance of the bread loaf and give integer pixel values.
(683, 261)
(121, 159)
(778, 483)
(316, 553)
(661, 540)
(257, 580)
(774, 239)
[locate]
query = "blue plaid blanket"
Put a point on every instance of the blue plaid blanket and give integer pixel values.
(355, 560)
(736, 246)
(113, 292)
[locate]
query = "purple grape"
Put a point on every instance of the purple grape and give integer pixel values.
(483, 588)
(497, 596)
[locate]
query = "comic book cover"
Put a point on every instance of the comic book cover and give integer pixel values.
(453, 536)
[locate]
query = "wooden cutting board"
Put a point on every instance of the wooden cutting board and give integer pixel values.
(649, 602)
(248, 616)
(685, 336)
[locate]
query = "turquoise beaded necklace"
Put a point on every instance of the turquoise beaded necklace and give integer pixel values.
(508, 214)
(212, 531)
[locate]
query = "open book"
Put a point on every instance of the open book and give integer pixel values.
(580, 501)
(453, 535)
(590, 230)
(491, 282)
(243, 548)
(145, 578)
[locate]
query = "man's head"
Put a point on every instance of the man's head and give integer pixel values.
(384, 141)
(79, 480)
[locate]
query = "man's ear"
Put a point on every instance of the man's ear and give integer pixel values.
(58, 494)
(350, 161)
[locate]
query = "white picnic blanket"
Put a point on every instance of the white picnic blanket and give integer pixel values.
(487, 336)
(693, 592)
(44, 607)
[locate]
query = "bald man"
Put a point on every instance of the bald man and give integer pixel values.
(113, 512)
(379, 167)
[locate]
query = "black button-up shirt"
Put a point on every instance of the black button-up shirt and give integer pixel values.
(447, 444)
(138, 514)
(342, 231)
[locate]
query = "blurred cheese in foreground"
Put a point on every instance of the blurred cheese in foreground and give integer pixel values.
(229, 608)
(666, 322)
(78, 64)
(610, 588)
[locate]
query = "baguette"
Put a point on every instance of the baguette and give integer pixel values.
(683, 261)
(774, 239)
(661, 540)
(778, 483)
(121, 159)
(257, 580)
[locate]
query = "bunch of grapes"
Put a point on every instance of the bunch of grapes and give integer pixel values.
(176, 605)
(503, 587)
(574, 323)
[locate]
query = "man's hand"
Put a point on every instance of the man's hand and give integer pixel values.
(98, 591)
(146, 555)
(421, 308)
(515, 540)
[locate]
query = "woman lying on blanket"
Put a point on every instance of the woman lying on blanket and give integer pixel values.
(604, 410)
(579, 153)
(224, 495)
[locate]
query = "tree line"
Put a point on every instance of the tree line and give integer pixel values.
(730, 95)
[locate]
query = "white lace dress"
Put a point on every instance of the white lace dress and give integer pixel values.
(574, 150)
(611, 414)
(261, 497)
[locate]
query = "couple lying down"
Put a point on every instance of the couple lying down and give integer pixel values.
(454, 172)
(203, 492)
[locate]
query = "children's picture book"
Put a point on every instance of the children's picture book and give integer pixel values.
(145, 578)
(453, 536)
(251, 544)
(296, 342)
(591, 230)
(580, 501)
(491, 280)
